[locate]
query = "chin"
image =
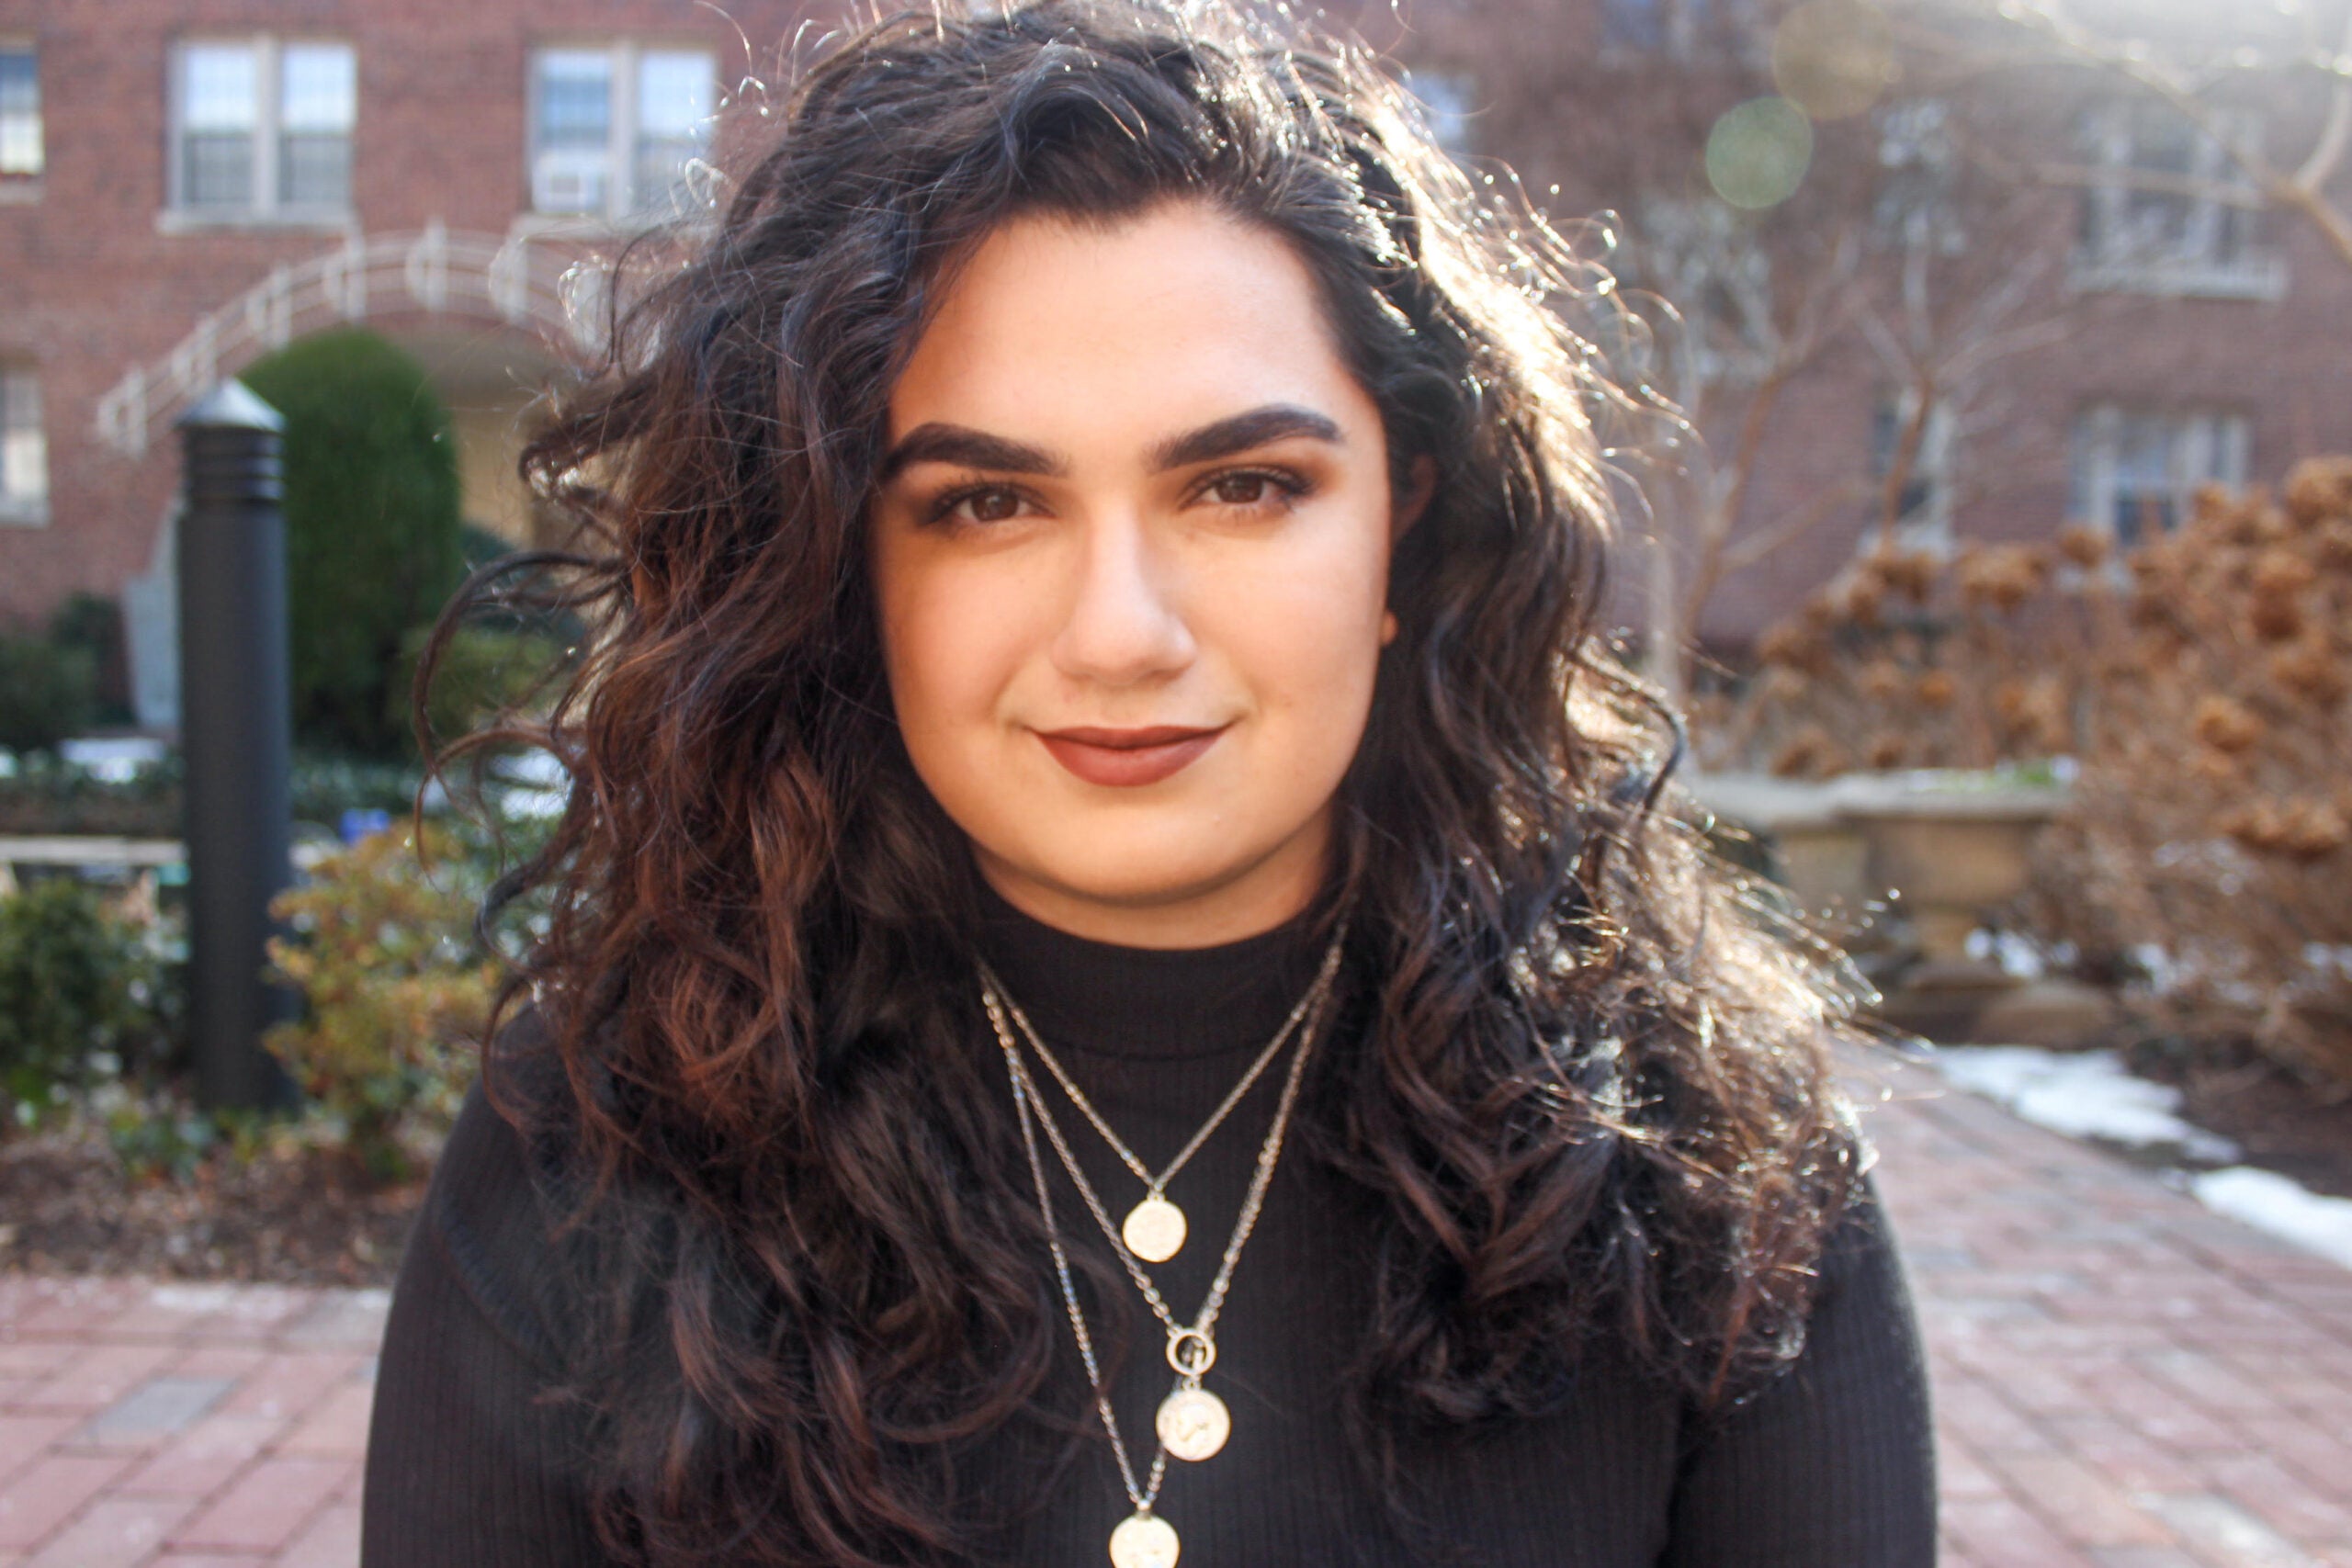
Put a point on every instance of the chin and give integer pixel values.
(1125, 862)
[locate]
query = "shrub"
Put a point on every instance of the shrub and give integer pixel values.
(372, 524)
(82, 990)
(93, 623)
(397, 993)
(483, 670)
(2201, 684)
(48, 692)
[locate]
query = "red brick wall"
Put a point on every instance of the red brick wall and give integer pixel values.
(90, 286)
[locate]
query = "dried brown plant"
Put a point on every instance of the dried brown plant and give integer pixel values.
(2198, 684)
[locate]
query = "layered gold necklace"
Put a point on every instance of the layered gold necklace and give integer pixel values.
(1192, 1423)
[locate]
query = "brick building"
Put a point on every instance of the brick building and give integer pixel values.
(2114, 312)
(184, 183)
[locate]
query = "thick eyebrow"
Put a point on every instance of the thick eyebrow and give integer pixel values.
(1275, 421)
(938, 442)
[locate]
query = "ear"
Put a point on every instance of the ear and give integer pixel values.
(1420, 484)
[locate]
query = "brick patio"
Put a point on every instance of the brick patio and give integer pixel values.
(2124, 1380)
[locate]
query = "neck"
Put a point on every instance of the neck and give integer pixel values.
(1234, 907)
(1108, 999)
(1231, 908)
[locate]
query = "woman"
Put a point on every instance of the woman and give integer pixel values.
(1113, 977)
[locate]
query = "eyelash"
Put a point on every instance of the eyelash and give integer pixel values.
(1284, 488)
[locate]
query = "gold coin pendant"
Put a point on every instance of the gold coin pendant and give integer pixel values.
(1143, 1541)
(1154, 1230)
(1193, 1423)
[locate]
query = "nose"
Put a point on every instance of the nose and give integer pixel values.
(1125, 624)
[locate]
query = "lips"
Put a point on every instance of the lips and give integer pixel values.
(1128, 759)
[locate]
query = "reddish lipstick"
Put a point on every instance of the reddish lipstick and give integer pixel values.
(1127, 759)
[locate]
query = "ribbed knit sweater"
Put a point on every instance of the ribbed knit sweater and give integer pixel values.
(1830, 1466)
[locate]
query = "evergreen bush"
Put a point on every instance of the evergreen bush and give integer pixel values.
(48, 692)
(82, 990)
(372, 526)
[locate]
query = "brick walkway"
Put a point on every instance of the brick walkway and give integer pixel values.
(2124, 1382)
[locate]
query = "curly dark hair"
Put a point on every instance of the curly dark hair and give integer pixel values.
(1591, 1094)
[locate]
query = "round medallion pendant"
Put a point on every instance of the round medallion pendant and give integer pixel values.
(1143, 1541)
(1193, 1424)
(1154, 1231)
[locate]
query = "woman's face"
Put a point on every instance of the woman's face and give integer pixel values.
(1131, 552)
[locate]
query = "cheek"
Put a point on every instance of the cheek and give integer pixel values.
(946, 656)
(1308, 638)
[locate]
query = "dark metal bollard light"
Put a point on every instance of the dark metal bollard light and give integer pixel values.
(236, 737)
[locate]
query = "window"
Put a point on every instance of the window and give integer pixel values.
(2136, 469)
(1633, 24)
(613, 128)
(24, 450)
(262, 128)
(2166, 210)
(1917, 170)
(1923, 512)
(1675, 28)
(20, 145)
(1703, 258)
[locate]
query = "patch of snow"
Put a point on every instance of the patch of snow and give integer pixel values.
(541, 784)
(115, 758)
(2015, 954)
(2269, 1201)
(2084, 1094)
(2319, 955)
(193, 1298)
(534, 802)
(2161, 972)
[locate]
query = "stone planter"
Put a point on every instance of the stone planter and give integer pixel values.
(1947, 847)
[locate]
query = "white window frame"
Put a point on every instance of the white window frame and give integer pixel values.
(269, 96)
(2202, 445)
(622, 200)
(24, 453)
(27, 178)
(1914, 207)
(2108, 259)
(1698, 255)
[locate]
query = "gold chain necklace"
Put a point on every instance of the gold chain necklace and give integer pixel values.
(1192, 1423)
(1155, 1229)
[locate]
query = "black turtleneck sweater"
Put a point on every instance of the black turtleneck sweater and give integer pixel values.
(1829, 1467)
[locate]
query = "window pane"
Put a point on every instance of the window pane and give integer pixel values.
(19, 83)
(314, 170)
(24, 452)
(219, 87)
(575, 99)
(21, 151)
(673, 91)
(319, 91)
(19, 400)
(2144, 496)
(674, 98)
(217, 169)
(1633, 24)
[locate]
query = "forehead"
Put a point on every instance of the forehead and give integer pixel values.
(1124, 328)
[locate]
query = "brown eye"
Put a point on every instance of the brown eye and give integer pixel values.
(989, 505)
(1240, 490)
